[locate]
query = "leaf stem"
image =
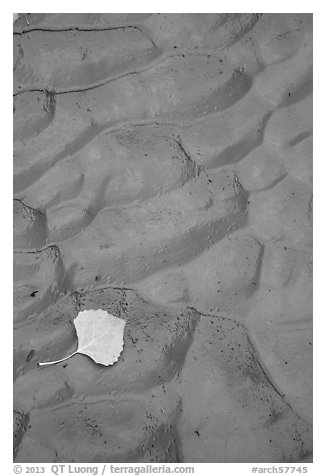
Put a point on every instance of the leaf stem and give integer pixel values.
(42, 364)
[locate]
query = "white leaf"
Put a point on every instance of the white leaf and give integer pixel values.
(100, 336)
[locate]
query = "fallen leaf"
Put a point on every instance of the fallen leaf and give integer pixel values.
(100, 336)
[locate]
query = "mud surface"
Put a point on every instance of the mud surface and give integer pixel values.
(163, 173)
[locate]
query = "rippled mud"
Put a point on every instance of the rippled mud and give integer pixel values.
(163, 173)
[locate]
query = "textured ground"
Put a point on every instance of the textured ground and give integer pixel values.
(163, 172)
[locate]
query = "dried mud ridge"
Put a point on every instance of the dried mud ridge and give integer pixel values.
(163, 172)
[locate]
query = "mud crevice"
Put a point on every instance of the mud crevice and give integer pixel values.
(25, 31)
(158, 60)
